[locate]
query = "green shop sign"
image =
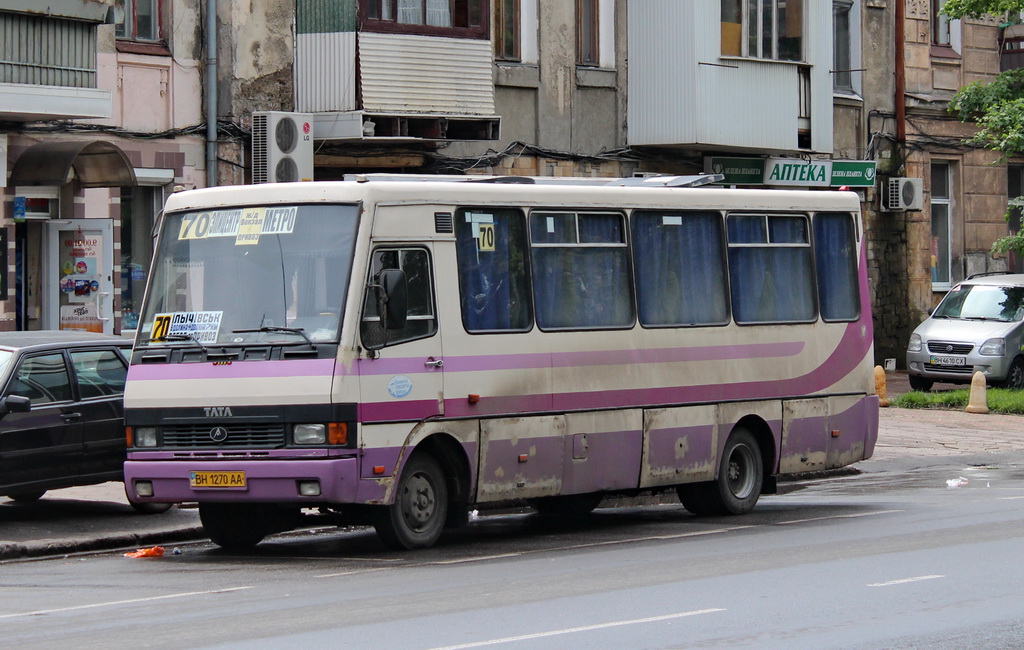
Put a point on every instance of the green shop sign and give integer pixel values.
(792, 171)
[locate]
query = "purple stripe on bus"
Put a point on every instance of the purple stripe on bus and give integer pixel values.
(483, 363)
(240, 370)
(397, 410)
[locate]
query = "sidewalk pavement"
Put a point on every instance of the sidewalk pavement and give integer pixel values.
(98, 517)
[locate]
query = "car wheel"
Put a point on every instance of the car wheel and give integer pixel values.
(920, 383)
(1015, 376)
(27, 497)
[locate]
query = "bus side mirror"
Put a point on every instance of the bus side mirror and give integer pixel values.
(14, 404)
(393, 299)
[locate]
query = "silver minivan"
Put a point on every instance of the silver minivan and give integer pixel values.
(979, 325)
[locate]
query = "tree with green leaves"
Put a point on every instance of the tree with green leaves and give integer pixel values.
(997, 107)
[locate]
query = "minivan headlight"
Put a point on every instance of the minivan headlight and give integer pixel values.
(993, 348)
(915, 343)
(309, 434)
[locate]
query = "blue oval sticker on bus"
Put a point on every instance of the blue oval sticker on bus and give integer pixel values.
(399, 386)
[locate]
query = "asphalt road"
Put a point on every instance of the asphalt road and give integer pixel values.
(893, 557)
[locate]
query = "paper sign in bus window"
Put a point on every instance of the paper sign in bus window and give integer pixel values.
(250, 227)
(203, 326)
(485, 240)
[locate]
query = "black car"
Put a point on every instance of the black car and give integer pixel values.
(61, 411)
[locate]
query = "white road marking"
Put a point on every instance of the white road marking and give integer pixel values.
(356, 572)
(574, 630)
(904, 581)
(827, 517)
(40, 612)
(1010, 498)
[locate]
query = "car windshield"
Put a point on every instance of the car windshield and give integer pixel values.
(980, 301)
(251, 275)
(5, 360)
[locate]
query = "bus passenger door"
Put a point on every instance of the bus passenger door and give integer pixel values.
(405, 380)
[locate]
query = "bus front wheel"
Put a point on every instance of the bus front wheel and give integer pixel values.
(417, 516)
(234, 526)
(740, 477)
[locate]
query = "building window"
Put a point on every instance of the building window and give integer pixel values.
(1014, 191)
(940, 25)
(942, 218)
(458, 18)
(138, 20)
(588, 50)
(843, 46)
(507, 30)
(763, 29)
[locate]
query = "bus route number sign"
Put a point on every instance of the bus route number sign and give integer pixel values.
(485, 242)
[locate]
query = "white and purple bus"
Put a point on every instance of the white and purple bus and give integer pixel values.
(396, 352)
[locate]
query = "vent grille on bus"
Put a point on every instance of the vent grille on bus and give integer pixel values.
(443, 222)
(259, 148)
(190, 436)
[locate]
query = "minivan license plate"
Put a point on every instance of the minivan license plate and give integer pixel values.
(216, 479)
(948, 361)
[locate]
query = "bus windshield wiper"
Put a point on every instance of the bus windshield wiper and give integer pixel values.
(287, 330)
(178, 337)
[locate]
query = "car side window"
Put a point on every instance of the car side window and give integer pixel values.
(99, 373)
(42, 379)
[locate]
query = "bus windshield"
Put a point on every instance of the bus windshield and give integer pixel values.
(274, 274)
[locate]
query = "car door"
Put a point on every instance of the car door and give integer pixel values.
(100, 375)
(43, 444)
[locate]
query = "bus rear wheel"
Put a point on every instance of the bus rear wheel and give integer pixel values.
(739, 482)
(417, 516)
(234, 526)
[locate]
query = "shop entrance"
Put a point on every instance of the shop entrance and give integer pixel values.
(78, 287)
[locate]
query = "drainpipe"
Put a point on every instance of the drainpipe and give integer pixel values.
(211, 93)
(901, 73)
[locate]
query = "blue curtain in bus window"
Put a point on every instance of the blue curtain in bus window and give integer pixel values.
(770, 268)
(835, 251)
(493, 279)
(581, 276)
(680, 271)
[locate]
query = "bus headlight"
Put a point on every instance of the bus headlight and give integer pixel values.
(309, 434)
(144, 437)
(993, 348)
(915, 343)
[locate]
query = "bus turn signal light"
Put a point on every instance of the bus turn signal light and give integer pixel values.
(337, 433)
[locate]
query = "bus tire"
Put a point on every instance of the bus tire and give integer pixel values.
(418, 514)
(569, 505)
(234, 526)
(739, 482)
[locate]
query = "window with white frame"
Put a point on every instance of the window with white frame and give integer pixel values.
(942, 226)
(138, 20)
(845, 45)
(507, 30)
(945, 31)
(763, 29)
(454, 18)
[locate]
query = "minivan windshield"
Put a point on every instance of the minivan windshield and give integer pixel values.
(269, 274)
(982, 302)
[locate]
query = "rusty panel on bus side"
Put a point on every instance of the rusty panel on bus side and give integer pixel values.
(847, 430)
(680, 445)
(602, 451)
(521, 458)
(805, 432)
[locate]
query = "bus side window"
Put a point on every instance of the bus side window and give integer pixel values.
(680, 268)
(581, 271)
(771, 269)
(494, 278)
(835, 250)
(421, 323)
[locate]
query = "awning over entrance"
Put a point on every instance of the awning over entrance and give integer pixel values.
(95, 164)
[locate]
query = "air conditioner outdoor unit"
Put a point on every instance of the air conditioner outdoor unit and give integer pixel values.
(902, 194)
(282, 147)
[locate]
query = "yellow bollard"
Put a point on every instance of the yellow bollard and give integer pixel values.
(978, 403)
(883, 397)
